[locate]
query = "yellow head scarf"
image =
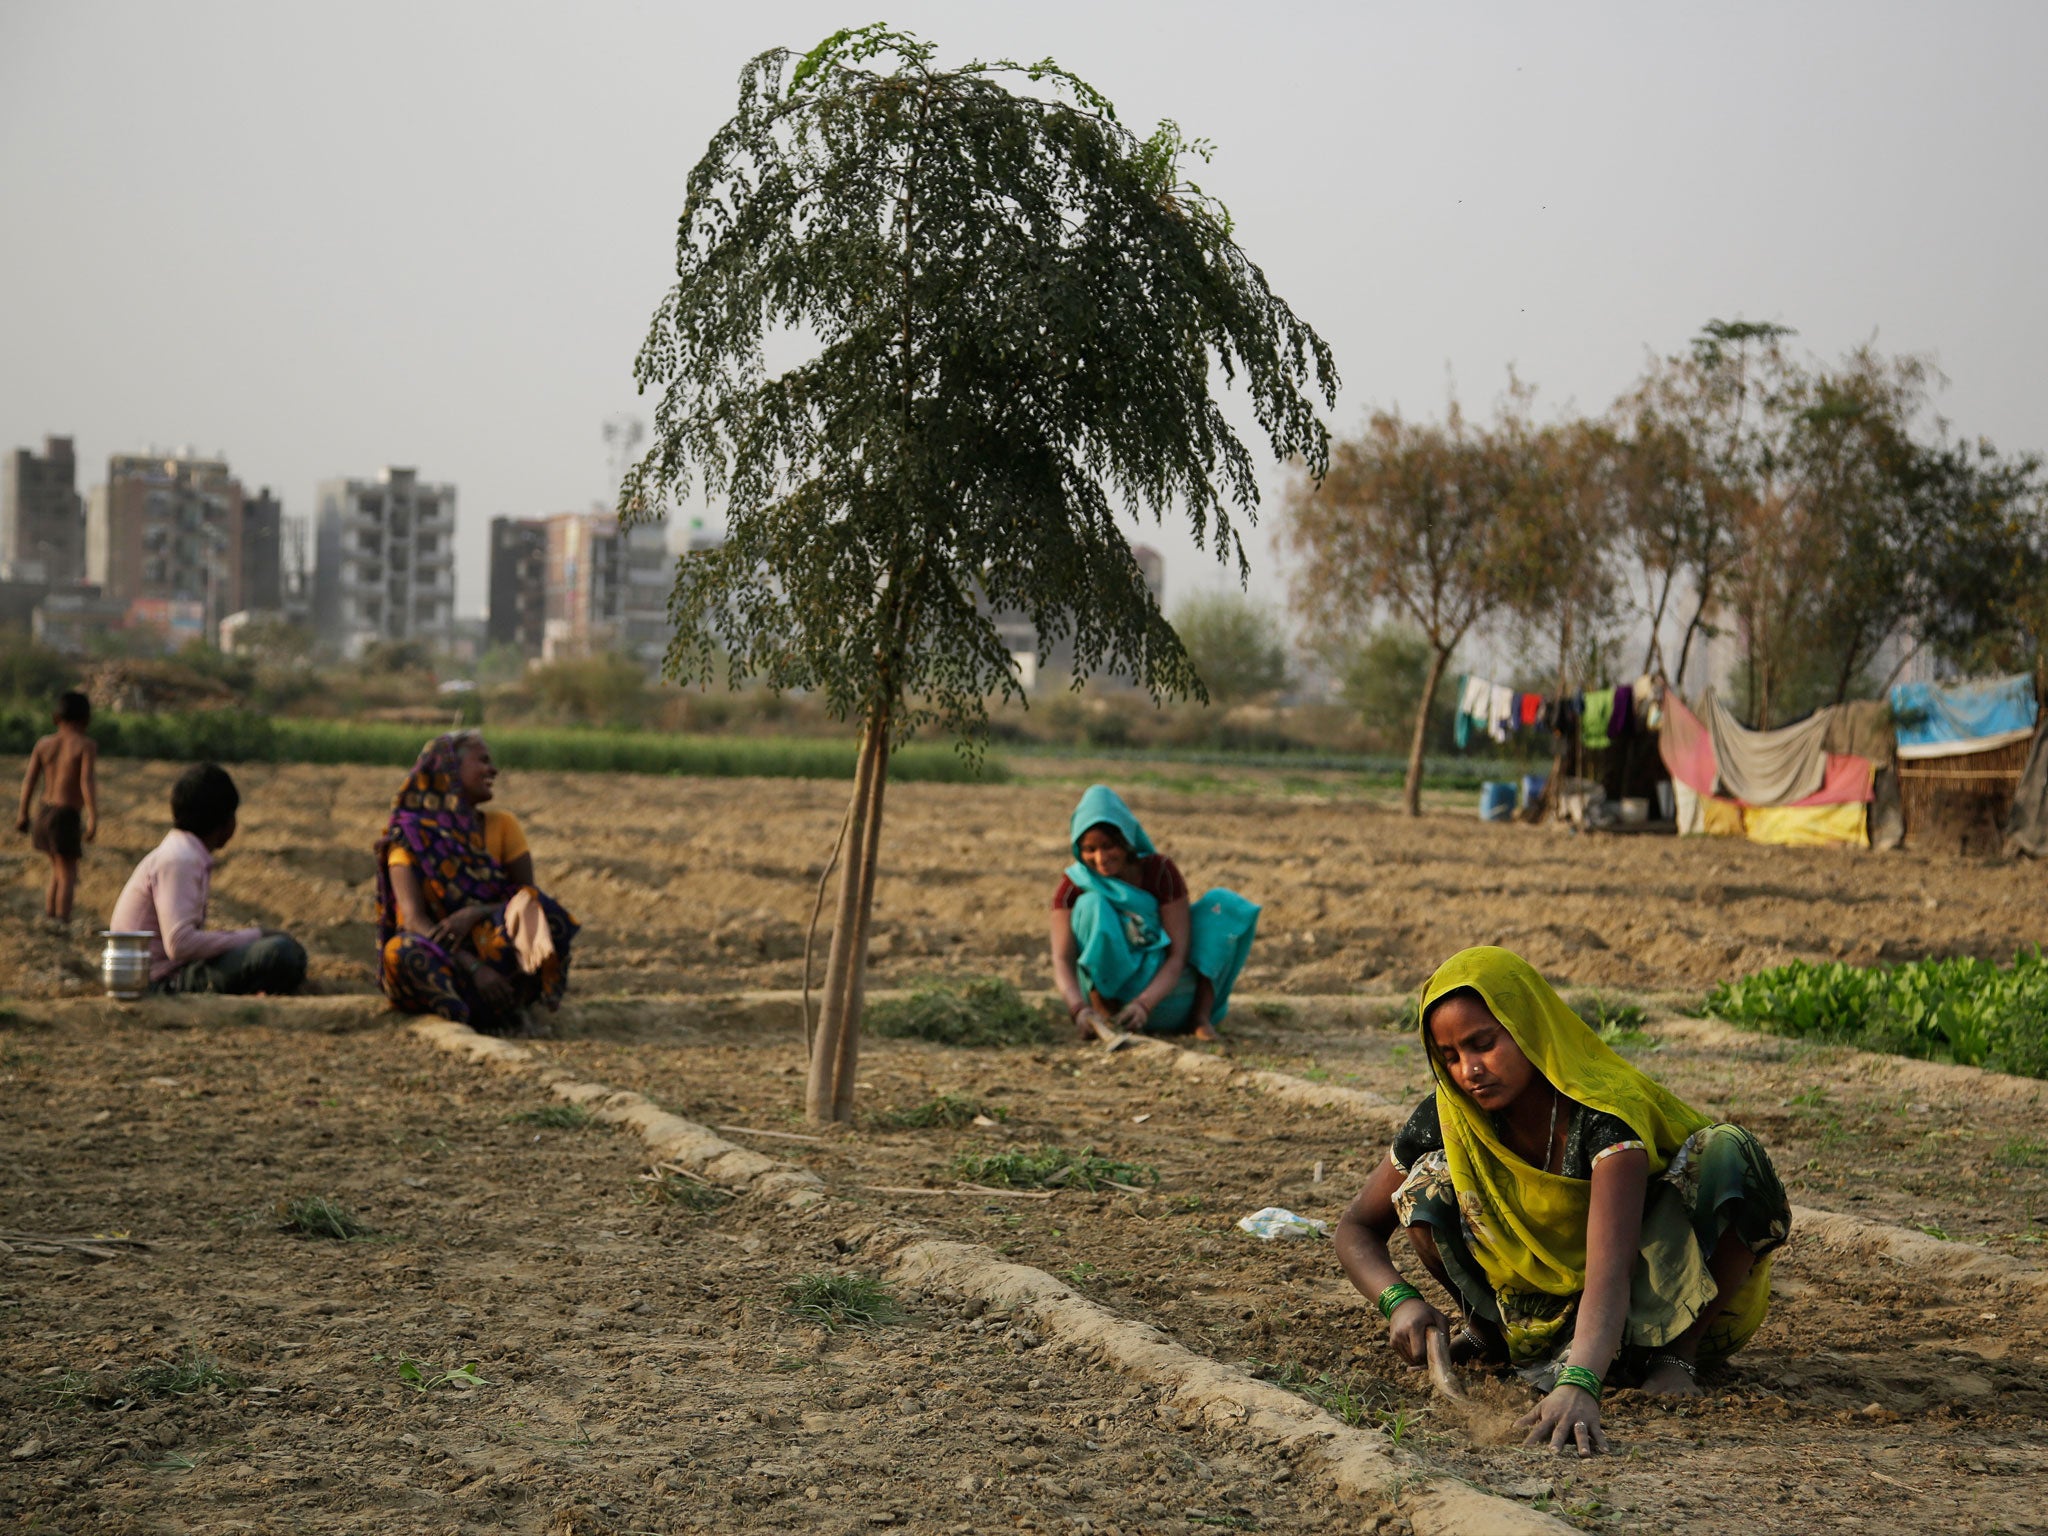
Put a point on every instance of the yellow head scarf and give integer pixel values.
(1529, 1226)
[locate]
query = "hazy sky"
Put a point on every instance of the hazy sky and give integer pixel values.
(323, 239)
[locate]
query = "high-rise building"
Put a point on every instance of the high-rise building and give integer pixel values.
(42, 518)
(262, 553)
(164, 535)
(606, 587)
(385, 561)
(519, 585)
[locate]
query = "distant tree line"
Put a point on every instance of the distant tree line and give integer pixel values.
(1820, 512)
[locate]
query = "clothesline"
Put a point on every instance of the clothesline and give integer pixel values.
(1600, 716)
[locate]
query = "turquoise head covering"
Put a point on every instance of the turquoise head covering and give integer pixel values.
(1103, 806)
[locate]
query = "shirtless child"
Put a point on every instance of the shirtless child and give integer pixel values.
(64, 761)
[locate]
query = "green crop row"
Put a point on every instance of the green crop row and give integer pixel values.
(234, 736)
(1974, 1012)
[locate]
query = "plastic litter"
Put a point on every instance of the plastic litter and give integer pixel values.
(1276, 1221)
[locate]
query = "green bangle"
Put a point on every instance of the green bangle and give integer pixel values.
(1394, 1295)
(1578, 1376)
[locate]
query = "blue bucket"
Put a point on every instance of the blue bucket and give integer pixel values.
(1533, 785)
(1496, 801)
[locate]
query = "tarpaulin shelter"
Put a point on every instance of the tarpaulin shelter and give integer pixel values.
(1963, 748)
(1782, 786)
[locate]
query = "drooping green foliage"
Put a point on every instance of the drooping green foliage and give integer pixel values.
(1962, 1010)
(1005, 312)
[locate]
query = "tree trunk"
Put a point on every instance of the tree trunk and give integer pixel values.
(835, 1053)
(1411, 789)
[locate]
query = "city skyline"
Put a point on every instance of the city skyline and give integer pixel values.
(432, 236)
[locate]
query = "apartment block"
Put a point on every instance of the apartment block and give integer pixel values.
(384, 563)
(262, 553)
(165, 532)
(519, 585)
(42, 517)
(606, 587)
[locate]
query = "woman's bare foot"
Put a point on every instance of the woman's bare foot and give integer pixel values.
(1204, 1030)
(1668, 1377)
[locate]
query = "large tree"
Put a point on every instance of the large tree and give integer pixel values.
(1427, 522)
(1006, 313)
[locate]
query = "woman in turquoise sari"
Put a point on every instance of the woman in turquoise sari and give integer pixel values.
(1130, 952)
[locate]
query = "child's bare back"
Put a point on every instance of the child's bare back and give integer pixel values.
(65, 756)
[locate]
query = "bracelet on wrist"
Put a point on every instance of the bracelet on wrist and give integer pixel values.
(1578, 1376)
(1394, 1295)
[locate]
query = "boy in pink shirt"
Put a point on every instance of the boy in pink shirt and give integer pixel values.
(167, 896)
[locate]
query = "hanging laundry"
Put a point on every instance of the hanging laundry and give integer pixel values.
(1530, 708)
(1473, 696)
(1598, 710)
(1649, 699)
(1623, 721)
(1500, 712)
(1686, 746)
(1765, 768)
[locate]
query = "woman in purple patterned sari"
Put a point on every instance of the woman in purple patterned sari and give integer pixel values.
(462, 931)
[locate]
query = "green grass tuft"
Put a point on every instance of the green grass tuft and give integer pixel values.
(983, 1011)
(184, 1377)
(321, 1216)
(948, 1110)
(668, 1188)
(558, 1117)
(838, 1300)
(1052, 1168)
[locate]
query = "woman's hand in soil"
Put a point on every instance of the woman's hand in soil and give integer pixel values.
(1568, 1419)
(453, 930)
(1410, 1326)
(1134, 1018)
(1093, 1023)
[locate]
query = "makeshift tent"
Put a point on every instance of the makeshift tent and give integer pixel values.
(1769, 786)
(1962, 751)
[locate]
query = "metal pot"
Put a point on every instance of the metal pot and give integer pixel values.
(124, 964)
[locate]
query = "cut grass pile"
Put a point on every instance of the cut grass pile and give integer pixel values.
(1968, 1011)
(983, 1011)
(321, 1216)
(949, 1111)
(556, 1117)
(239, 736)
(1054, 1168)
(185, 1377)
(837, 1301)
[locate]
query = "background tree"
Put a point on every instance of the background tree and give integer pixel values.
(1716, 407)
(1413, 519)
(1008, 311)
(1234, 645)
(1381, 675)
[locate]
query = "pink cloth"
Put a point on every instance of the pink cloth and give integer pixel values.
(166, 897)
(1686, 747)
(1848, 782)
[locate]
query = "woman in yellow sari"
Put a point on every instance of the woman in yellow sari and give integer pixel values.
(1595, 1229)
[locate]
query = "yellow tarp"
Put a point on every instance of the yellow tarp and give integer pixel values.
(1806, 826)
